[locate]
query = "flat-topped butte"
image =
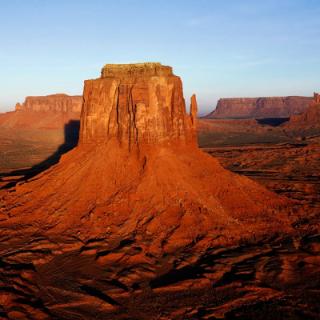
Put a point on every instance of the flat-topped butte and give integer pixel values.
(135, 69)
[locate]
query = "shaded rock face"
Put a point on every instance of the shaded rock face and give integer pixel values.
(55, 102)
(269, 107)
(137, 104)
(110, 223)
(310, 119)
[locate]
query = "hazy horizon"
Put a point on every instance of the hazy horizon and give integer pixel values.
(201, 112)
(220, 49)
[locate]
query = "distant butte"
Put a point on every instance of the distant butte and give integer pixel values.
(52, 111)
(59, 102)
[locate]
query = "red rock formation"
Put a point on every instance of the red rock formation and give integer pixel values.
(140, 104)
(308, 120)
(166, 173)
(316, 98)
(18, 107)
(269, 107)
(49, 112)
(193, 110)
(55, 102)
(135, 200)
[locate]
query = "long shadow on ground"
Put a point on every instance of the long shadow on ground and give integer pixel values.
(71, 137)
(274, 122)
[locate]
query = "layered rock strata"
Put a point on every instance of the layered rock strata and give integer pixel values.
(56, 102)
(137, 104)
(268, 107)
(43, 112)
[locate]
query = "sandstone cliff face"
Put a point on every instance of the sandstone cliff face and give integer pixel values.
(56, 103)
(108, 222)
(269, 107)
(137, 104)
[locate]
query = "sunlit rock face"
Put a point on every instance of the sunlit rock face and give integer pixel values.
(137, 104)
(55, 102)
(44, 112)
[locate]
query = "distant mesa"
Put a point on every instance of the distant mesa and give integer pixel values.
(257, 108)
(55, 103)
(309, 119)
(52, 111)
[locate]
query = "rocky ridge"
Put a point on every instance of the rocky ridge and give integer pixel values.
(56, 103)
(43, 112)
(267, 107)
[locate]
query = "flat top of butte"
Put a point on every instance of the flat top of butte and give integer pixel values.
(135, 69)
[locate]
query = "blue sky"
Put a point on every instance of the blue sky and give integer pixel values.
(220, 48)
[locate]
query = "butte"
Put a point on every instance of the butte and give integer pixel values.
(136, 197)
